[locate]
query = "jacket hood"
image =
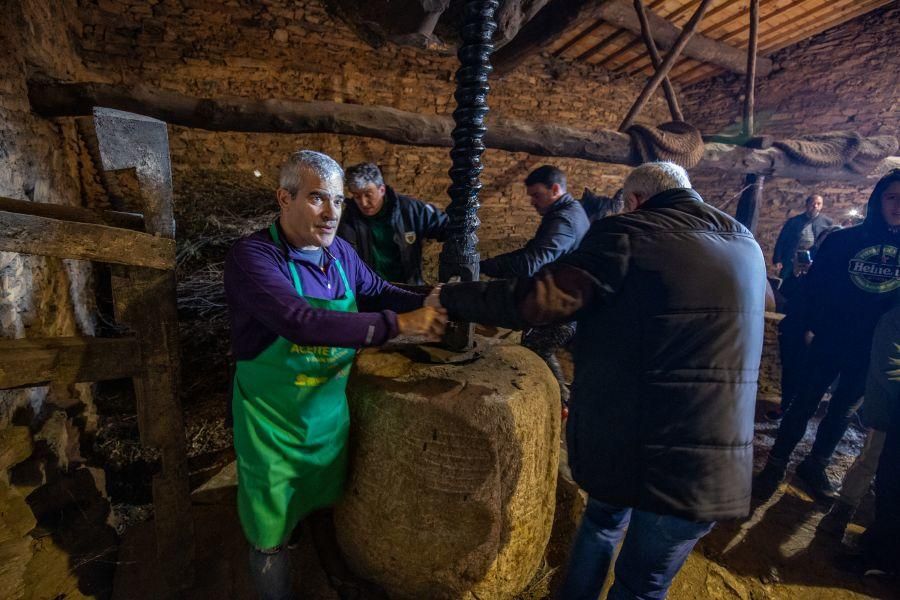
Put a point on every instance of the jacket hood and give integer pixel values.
(874, 219)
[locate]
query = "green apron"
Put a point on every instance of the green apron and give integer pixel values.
(290, 428)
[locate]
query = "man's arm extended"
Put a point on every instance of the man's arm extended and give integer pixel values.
(549, 243)
(586, 278)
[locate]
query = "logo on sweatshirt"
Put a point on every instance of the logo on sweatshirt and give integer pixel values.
(409, 236)
(875, 269)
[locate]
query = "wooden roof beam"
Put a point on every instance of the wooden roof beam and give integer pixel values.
(621, 14)
(401, 127)
(559, 15)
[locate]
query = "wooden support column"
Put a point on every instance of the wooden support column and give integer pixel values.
(144, 299)
(656, 60)
(750, 82)
(747, 212)
(748, 206)
(666, 65)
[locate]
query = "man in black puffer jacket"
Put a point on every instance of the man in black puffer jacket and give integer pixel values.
(852, 282)
(669, 300)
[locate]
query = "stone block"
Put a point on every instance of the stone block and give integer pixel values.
(452, 488)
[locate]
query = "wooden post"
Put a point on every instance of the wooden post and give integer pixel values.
(747, 212)
(655, 59)
(751, 69)
(144, 299)
(666, 65)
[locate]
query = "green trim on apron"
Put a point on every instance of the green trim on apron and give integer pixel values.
(290, 427)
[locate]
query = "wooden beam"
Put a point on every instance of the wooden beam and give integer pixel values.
(559, 15)
(747, 213)
(647, 34)
(43, 236)
(144, 300)
(71, 213)
(620, 14)
(32, 362)
(667, 63)
(397, 126)
(749, 83)
(707, 28)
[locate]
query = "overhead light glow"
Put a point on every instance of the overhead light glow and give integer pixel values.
(853, 212)
(257, 173)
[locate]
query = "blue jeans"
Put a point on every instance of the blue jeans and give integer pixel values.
(654, 550)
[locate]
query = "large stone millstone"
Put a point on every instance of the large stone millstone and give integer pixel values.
(453, 472)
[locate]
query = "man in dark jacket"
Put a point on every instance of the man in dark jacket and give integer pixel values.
(386, 228)
(669, 300)
(852, 282)
(799, 233)
(563, 224)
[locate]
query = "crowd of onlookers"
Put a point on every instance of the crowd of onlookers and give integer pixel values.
(841, 333)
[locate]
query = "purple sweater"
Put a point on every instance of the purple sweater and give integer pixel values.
(263, 303)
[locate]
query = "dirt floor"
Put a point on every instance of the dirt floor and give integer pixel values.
(776, 554)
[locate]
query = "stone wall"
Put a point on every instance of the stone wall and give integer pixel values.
(297, 50)
(847, 78)
(52, 506)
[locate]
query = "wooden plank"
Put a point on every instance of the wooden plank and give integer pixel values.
(599, 46)
(32, 234)
(817, 24)
(144, 299)
(32, 362)
(826, 22)
(71, 213)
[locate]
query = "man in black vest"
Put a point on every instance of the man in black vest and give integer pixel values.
(386, 228)
(669, 299)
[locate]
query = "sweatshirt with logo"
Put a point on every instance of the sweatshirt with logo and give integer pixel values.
(854, 280)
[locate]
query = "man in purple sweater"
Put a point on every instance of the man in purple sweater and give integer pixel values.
(292, 291)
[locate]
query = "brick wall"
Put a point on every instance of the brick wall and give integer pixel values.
(288, 49)
(847, 78)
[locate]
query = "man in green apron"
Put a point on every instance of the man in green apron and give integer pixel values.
(292, 291)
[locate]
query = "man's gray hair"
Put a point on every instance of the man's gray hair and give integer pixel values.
(321, 164)
(361, 175)
(650, 179)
